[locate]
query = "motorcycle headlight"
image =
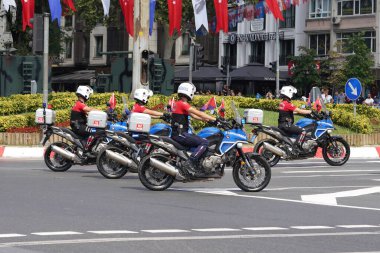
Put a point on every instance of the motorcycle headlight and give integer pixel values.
(329, 131)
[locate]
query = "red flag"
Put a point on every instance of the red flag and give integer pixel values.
(171, 104)
(317, 105)
(70, 4)
(127, 7)
(27, 13)
(222, 109)
(175, 16)
(221, 13)
(275, 9)
(210, 105)
(112, 101)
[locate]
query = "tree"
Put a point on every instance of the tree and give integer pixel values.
(359, 63)
(335, 78)
(305, 73)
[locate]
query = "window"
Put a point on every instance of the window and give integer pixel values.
(286, 50)
(320, 43)
(356, 7)
(257, 52)
(69, 49)
(231, 51)
(369, 37)
(98, 46)
(185, 44)
(319, 9)
(290, 18)
(69, 21)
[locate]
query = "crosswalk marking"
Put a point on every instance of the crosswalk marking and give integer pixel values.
(109, 232)
(57, 233)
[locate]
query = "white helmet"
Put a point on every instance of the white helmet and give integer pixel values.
(84, 91)
(142, 95)
(187, 89)
(288, 91)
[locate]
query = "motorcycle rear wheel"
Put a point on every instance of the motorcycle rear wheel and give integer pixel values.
(338, 154)
(250, 181)
(56, 162)
(109, 168)
(152, 178)
(271, 158)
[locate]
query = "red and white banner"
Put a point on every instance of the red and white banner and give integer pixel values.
(175, 16)
(127, 7)
(221, 12)
(27, 13)
(275, 9)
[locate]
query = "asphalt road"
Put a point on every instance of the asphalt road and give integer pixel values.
(307, 207)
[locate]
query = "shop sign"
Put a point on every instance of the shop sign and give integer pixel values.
(252, 37)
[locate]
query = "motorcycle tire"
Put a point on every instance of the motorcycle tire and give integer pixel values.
(260, 178)
(60, 164)
(109, 168)
(271, 158)
(152, 178)
(329, 150)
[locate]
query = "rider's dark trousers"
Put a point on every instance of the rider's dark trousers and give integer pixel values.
(294, 130)
(192, 140)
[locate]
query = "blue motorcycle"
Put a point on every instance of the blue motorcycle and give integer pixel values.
(319, 128)
(250, 172)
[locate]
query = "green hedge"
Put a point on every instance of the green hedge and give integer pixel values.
(18, 110)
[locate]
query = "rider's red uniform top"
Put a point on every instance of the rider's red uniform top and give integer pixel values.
(138, 108)
(77, 113)
(180, 115)
(286, 115)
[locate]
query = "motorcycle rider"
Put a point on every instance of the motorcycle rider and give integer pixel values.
(180, 124)
(286, 115)
(78, 117)
(141, 97)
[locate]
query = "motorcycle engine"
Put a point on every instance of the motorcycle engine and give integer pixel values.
(309, 144)
(210, 163)
(96, 149)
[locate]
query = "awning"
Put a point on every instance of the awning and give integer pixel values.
(253, 72)
(204, 74)
(82, 76)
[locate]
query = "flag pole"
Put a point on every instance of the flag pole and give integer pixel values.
(277, 58)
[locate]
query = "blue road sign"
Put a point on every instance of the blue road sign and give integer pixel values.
(353, 88)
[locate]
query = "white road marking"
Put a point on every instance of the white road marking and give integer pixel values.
(155, 231)
(181, 238)
(216, 229)
(309, 176)
(311, 227)
(317, 187)
(330, 198)
(376, 179)
(109, 232)
(357, 226)
(325, 171)
(57, 233)
(10, 235)
(265, 228)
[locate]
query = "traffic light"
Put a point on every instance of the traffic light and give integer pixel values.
(38, 34)
(199, 56)
(273, 66)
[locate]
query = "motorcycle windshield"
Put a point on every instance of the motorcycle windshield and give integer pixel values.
(315, 95)
(236, 113)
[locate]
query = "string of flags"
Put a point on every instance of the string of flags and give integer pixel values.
(221, 21)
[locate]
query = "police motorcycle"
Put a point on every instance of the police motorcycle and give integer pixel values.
(319, 128)
(251, 172)
(61, 155)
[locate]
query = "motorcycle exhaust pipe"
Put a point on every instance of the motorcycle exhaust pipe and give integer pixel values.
(66, 154)
(274, 150)
(167, 168)
(121, 159)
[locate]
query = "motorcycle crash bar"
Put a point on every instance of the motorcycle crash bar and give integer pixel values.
(167, 168)
(121, 159)
(66, 154)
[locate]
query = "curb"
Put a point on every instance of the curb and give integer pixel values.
(38, 152)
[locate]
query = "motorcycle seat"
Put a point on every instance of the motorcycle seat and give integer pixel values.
(126, 136)
(173, 142)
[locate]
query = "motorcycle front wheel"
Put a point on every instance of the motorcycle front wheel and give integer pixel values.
(252, 178)
(55, 161)
(336, 152)
(152, 178)
(109, 168)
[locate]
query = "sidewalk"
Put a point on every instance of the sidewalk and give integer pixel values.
(372, 152)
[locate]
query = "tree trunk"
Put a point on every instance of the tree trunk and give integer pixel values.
(168, 42)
